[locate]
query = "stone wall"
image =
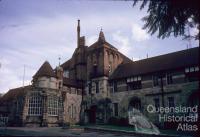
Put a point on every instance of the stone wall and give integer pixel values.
(72, 105)
(180, 92)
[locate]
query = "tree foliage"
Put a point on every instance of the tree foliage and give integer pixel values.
(104, 107)
(170, 17)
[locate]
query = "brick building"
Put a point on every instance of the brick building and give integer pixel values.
(98, 82)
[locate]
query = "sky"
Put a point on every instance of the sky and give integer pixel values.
(33, 31)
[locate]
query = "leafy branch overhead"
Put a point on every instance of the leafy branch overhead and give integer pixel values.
(171, 17)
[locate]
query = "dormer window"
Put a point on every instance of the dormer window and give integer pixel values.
(134, 83)
(196, 68)
(191, 69)
(135, 78)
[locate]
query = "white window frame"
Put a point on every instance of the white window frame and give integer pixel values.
(35, 105)
(53, 106)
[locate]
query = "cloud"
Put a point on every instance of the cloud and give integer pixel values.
(91, 40)
(31, 45)
(9, 78)
(138, 34)
(122, 42)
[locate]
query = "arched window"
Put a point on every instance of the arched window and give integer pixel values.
(52, 105)
(35, 104)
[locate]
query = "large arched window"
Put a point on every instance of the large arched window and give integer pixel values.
(35, 104)
(53, 106)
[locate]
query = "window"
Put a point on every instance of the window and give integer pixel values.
(52, 106)
(18, 107)
(110, 68)
(97, 87)
(66, 74)
(59, 85)
(187, 70)
(121, 82)
(95, 69)
(35, 104)
(135, 78)
(191, 74)
(155, 81)
(171, 102)
(72, 111)
(115, 109)
(157, 103)
(134, 83)
(191, 69)
(196, 68)
(115, 86)
(169, 79)
(90, 88)
(111, 87)
(69, 110)
(139, 78)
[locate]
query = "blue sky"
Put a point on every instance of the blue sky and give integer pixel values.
(32, 31)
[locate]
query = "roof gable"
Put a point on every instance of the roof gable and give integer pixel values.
(15, 93)
(45, 70)
(101, 42)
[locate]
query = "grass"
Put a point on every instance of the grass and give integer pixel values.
(112, 127)
(124, 128)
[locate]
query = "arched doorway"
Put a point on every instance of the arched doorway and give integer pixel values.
(135, 102)
(92, 114)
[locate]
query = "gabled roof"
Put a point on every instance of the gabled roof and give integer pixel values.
(66, 65)
(45, 70)
(101, 41)
(15, 93)
(159, 63)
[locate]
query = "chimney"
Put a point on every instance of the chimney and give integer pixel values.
(78, 34)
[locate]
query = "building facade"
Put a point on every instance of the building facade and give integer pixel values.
(99, 83)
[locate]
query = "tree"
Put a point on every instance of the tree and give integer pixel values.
(104, 107)
(171, 17)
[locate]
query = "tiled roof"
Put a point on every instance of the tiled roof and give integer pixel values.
(66, 65)
(159, 63)
(15, 93)
(45, 70)
(71, 83)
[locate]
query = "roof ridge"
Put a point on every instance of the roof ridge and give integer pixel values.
(45, 70)
(162, 55)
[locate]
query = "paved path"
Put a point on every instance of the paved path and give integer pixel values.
(55, 131)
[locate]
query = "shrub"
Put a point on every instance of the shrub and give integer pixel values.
(123, 122)
(113, 121)
(66, 125)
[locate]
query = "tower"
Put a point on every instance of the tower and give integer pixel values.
(79, 57)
